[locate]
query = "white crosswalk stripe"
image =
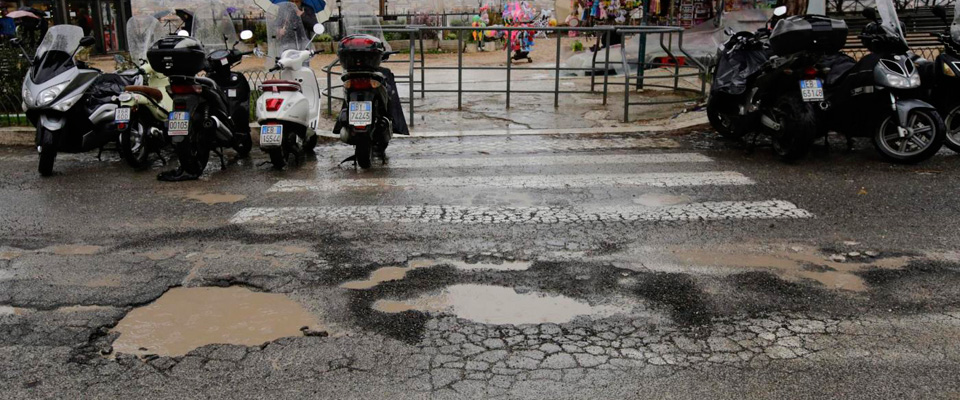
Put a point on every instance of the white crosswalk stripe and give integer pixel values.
(659, 179)
(710, 211)
(475, 172)
(481, 162)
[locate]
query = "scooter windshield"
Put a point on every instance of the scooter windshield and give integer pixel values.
(362, 19)
(213, 27)
(285, 31)
(55, 54)
(888, 17)
(142, 31)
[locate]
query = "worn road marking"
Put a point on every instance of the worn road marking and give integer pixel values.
(657, 179)
(724, 210)
(460, 162)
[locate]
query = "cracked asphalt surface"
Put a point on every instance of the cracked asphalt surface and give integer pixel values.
(845, 284)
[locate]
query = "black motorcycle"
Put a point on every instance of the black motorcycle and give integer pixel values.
(371, 111)
(879, 96)
(940, 79)
(740, 57)
(204, 108)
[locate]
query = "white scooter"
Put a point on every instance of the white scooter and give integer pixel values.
(288, 111)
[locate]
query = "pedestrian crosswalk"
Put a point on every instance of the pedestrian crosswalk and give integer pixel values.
(584, 165)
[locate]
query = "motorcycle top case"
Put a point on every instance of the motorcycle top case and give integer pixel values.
(808, 33)
(361, 53)
(177, 55)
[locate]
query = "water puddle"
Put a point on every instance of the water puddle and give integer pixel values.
(661, 200)
(498, 305)
(160, 255)
(9, 255)
(387, 274)
(184, 319)
(7, 310)
(74, 250)
(216, 198)
(802, 263)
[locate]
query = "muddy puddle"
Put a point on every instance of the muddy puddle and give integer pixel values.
(498, 305)
(184, 319)
(159, 255)
(9, 255)
(387, 274)
(792, 264)
(661, 200)
(216, 198)
(73, 250)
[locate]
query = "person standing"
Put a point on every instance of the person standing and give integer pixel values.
(307, 15)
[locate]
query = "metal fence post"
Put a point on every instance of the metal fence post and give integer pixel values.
(606, 67)
(556, 75)
(641, 61)
(413, 76)
(330, 89)
(459, 69)
(509, 62)
(676, 65)
(423, 67)
(626, 95)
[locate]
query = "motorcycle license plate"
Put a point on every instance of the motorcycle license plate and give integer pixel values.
(271, 135)
(361, 113)
(179, 124)
(122, 115)
(811, 90)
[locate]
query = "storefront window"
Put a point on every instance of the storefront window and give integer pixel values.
(109, 16)
(81, 13)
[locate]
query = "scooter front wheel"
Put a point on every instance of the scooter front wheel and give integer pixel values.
(952, 123)
(48, 155)
(133, 145)
(923, 138)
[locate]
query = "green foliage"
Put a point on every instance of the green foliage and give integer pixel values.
(389, 36)
(260, 33)
(450, 36)
(324, 38)
(577, 46)
(460, 22)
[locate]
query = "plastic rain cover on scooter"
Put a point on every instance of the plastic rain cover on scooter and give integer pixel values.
(363, 19)
(55, 53)
(213, 27)
(285, 31)
(142, 31)
(735, 67)
(955, 26)
(889, 20)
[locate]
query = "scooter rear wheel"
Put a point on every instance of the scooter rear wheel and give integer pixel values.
(278, 157)
(798, 127)
(363, 154)
(722, 122)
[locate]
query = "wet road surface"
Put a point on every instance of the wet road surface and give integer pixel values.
(618, 266)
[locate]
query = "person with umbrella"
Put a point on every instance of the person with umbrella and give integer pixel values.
(308, 12)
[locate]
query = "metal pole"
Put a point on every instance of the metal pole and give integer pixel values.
(606, 67)
(556, 75)
(330, 89)
(641, 61)
(459, 69)
(626, 96)
(676, 65)
(413, 76)
(423, 66)
(509, 62)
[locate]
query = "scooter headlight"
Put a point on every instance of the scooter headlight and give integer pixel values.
(49, 95)
(28, 97)
(67, 104)
(125, 97)
(914, 80)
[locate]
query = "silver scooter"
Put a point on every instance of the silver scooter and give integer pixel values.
(69, 103)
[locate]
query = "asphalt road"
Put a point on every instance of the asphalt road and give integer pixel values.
(590, 266)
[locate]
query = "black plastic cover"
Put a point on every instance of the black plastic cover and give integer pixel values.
(734, 67)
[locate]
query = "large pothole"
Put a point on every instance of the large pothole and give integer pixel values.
(184, 319)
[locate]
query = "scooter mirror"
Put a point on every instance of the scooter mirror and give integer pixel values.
(729, 31)
(780, 11)
(15, 41)
(319, 29)
(870, 13)
(87, 41)
(183, 33)
(246, 35)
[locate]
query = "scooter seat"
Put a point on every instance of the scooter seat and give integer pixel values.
(148, 91)
(277, 84)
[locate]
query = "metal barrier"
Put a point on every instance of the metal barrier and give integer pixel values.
(666, 35)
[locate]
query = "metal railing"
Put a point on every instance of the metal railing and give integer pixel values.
(674, 65)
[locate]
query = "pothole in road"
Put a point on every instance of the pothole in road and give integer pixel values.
(387, 274)
(798, 263)
(184, 319)
(661, 200)
(498, 305)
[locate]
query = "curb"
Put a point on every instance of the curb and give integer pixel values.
(24, 136)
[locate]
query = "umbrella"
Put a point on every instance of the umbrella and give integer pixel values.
(22, 14)
(316, 5)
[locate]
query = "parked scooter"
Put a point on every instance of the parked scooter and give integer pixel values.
(738, 60)
(202, 119)
(69, 102)
(788, 92)
(141, 116)
(879, 97)
(940, 79)
(289, 109)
